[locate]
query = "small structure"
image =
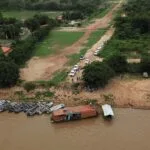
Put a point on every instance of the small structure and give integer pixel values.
(107, 111)
(59, 18)
(6, 50)
(74, 113)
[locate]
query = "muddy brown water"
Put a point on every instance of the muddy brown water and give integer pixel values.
(130, 130)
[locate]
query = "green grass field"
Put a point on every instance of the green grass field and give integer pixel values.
(131, 48)
(95, 36)
(55, 42)
(27, 14)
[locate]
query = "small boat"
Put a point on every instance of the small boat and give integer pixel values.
(74, 113)
(57, 107)
(107, 111)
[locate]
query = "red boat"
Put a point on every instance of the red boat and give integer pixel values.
(74, 113)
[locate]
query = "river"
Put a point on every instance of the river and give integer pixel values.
(130, 130)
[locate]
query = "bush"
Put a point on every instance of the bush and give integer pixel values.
(133, 68)
(9, 73)
(145, 64)
(117, 62)
(97, 74)
(29, 86)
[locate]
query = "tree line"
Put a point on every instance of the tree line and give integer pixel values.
(136, 20)
(48, 4)
(22, 50)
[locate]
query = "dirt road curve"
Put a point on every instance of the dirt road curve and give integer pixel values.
(43, 68)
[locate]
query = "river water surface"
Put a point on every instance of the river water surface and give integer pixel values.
(130, 130)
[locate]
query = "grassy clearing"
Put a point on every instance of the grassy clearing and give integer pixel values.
(58, 77)
(55, 42)
(132, 48)
(28, 14)
(95, 36)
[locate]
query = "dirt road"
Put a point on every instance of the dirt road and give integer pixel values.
(43, 68)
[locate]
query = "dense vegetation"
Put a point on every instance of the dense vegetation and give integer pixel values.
(10, 28)
(132, 34)
(49, 4)
(9, 73)
(73, 9)
(39, 27)
(131, 40)
(97, 74)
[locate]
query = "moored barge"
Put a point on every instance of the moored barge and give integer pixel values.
(74, 113)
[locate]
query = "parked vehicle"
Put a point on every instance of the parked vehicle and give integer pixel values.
(82, 57)
(71, 74)
(74, 113)
(99, 47)
(87, 61)
(76, 67)
(95, 53)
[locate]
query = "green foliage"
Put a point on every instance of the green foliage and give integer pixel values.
(10, 28)
(9, 73)
(117, 62)
(129, 47)
(44, 94)
(73, 15)
(145, 64)
(134, 68)
(97, 74)
(22, 51)
(32, 24)
(29, 86)
(55, 42)
(59, 77)
(137, 20)
(95, 36)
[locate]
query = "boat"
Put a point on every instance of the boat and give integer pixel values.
(107, 111)
(74, 113)
(57, 107)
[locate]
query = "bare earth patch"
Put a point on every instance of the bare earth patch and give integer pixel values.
(126, 93)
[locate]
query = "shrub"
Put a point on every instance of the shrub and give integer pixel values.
(29, 86)
(97, 74)
(117, 62)
(9, 73)
(133, 68)
(145, 64)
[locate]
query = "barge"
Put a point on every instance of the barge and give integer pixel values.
(74, 113)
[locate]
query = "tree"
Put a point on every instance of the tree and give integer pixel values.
(117, 62)
(43, 19)
(97, 74)
(32, 24)
(9, 73)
